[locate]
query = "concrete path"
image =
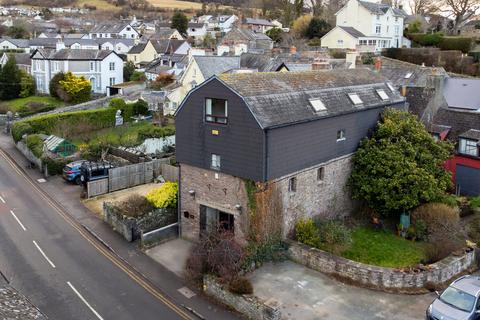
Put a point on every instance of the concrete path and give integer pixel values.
(172, 255)
(306, 294)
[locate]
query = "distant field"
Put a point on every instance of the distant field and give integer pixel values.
(176, 4)
(100, 4)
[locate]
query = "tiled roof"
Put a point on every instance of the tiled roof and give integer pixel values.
(109, 28)
(462, 93)
(138, 48)
(21, 43)
(114, 41)
(460, 121)
(261, 22)
(381, 8)
(279, 98)
(352, 31)
(163, 33)
(22, 58)
(471, 134)
(167, 45)
(215, 65)
(74, 54)
(252, 35)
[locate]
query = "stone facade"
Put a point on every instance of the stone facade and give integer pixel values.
(212, 189)
(386, 279)
(249, 306)
(325, 196)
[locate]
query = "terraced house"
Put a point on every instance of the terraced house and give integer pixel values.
(273, 145)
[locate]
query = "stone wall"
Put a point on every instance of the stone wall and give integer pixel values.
(386, 279)
(213, 189)
(131, 228)
(22, 147)
(249, 306)
(328, 197)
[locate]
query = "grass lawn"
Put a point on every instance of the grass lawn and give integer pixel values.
(15, 104)
(383, 249)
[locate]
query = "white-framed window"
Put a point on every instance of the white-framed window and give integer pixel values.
(408, 75)
(317, 105)
(363, 42)
(292, 184)
(388, 29)
(340, 42)
(216, 110)
(467, 146)
(397, 30)
(382, 94)
(92, 66)
(378, 17)
(216, 162)
(355, 98)
(111, 66)
(378, 29)
(112, 81)
(341, 135)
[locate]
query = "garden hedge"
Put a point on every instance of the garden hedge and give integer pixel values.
(463, 44)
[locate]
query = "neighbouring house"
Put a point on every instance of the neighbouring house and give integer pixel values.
(174, 64)
(197, 31)
(49, 35)
(301, 61)
(120, 46)
(162, 33)
(367, 27)
(226, 22)
(470, 29)
(22, 60)
(281, 143)
(114, 30)
(103, 68)
(145, 52)
(19, 45)
(239, 40)
(257, 25)
(71, 43)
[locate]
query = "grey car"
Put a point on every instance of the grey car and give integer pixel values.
(460, 301)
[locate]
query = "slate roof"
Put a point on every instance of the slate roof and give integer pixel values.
(352, 31)
(74, 35)
(167, 45)
(114, 41)
(195, 25)
(109, 28)
(138, 48)
(462, 93)
(52, 42)
(459, 120)
(21, 43)
(74, 54)
(22, 58)
(214, 65)
(252, 35)
(163, 33)
(261, 22)
(438, 128)
(267, 62)
(471, 134)
(282, 98)
(381, 8)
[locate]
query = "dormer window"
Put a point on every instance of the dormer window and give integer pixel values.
(317, 105)
(468, 147)
(355, 98)
(216, 110)
(382, 94)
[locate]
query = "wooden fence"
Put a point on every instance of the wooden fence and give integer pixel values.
(132, 175)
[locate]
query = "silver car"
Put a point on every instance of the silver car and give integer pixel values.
(458, 302)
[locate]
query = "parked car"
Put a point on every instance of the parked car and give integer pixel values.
(460, 301)
(91, 171)
(71, 172)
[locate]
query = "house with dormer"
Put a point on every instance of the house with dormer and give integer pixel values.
(367, 27)
(114, 30)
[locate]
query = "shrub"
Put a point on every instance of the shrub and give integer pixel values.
(456, 43)
(138, 76)
(75, 89)
(307, 232)
(27, 85)
(438, 250)
(240, 285)
(473, 228)
(54, 85)
(54, 166)
(448, 199)
(162, 80)
(156, 132)
(338, 54)
(334, 235)
(117, 103)
(35, 144)
(134, 206)
(165, 196)
(140, 107)
(442, 221)
(19, 129)
(475, 203)
(258, 253)
(427, 40)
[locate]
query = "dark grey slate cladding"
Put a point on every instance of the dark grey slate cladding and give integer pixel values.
(239, 143)
(293, 148)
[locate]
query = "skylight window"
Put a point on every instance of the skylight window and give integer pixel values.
(355, 98)
(382, 94)
(389, 85)
(408, 75)
(317, 105)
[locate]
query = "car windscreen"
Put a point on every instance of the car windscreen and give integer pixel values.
(458, 299)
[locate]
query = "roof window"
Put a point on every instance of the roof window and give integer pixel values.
(408, 75)
(382, 94)
(389, 85)
(355, 98)
(317, 105)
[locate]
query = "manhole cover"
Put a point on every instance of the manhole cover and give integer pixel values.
(186, 292)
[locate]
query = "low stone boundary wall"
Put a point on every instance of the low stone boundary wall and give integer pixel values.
(385, 279)
(157, 236)
(250, 306)
(22, 147)
(131, 228)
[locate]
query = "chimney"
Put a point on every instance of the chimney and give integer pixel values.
(351, 59)
(60, 44)
(320, 64)
(293, 50)
(403, 91)
(378, 64)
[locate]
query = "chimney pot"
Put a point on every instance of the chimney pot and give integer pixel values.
(378, 64)
(293, 50)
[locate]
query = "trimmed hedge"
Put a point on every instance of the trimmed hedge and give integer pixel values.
(156, 132)
(55, 166)
(35, 144)
(427, 40)
(456, 43)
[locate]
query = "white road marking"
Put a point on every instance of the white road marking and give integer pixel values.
(84, 301)
(43, 254)
(18, 220)
(1, 199)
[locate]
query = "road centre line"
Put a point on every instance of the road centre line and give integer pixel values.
(1, 199)
(85, 301)
(18, 220)
(43, 254)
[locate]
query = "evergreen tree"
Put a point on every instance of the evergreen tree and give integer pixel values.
(180, 22)
(10, 79)
(128, 70)
(317, 28)
(54, 85)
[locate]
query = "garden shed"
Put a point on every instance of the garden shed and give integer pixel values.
(59, 146)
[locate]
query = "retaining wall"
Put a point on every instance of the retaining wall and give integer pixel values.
(385, 279)
(249, 306)
(22, 147)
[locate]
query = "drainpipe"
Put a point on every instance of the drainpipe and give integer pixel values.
(179, 215)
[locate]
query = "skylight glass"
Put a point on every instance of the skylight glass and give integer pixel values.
(389, 85)
(355, 98)
(382, 94)
(408, 75)
(317, 105)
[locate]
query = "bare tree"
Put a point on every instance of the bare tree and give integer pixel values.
(422, 6)
(317, 7)
(460, 11)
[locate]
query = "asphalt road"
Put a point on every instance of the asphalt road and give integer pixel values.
(62, 270)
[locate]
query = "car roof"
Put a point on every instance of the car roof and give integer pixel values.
(469, 284)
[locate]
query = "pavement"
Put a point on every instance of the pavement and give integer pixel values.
(71, 265)
(14, 306)
(172, 255)
(302, 293)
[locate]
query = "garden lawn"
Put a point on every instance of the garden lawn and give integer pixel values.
(384, 249)
(16, 104)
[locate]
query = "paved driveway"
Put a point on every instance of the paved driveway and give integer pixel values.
(306, 294)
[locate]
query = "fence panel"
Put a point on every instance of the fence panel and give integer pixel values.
(136, 174)
(169, 172)
(118, 178)
(97, 187)
(148, 171)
